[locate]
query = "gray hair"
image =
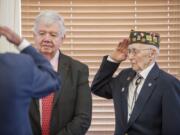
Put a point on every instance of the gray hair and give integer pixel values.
(50, 17)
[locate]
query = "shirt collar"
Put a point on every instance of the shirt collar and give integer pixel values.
(54, 60)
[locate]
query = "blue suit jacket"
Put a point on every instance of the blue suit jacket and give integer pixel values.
(21, 78)
(157, 109)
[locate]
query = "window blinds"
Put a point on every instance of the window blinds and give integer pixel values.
(94, 28)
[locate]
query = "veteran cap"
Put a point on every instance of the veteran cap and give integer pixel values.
(149, 38)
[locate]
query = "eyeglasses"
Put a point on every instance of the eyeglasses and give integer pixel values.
(135, 51)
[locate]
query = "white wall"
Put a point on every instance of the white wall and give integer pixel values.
(10, 15)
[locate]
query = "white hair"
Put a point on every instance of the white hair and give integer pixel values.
(50, 17)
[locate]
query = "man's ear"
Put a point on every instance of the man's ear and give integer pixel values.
(152, 53)
(64, 37)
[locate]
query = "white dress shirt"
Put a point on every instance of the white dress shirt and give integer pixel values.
(23, 45)
(132, 85)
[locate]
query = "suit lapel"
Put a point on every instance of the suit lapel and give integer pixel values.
(124, 93)
(37, 104)
(36, 111)
(145, 94)
(63, 68)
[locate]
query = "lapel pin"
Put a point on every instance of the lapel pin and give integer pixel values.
(129, 78)
(149, 84)
(122, 90)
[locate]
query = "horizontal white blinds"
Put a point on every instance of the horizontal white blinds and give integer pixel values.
(94, 28)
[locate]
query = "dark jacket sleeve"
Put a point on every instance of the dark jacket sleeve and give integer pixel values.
(171, 106)
(102, 82)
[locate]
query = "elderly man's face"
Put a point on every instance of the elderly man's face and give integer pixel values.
(140, 56)
(48, 39)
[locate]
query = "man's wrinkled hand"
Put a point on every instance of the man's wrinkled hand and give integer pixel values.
(121, 52)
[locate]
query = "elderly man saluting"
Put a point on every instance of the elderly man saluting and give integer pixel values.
(146, 99)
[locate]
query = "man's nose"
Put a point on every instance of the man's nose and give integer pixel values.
(47, 37)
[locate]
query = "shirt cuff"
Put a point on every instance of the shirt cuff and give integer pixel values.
(23, 45)
(111, 60)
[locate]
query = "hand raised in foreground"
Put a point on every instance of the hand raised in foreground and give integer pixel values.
(10, 35)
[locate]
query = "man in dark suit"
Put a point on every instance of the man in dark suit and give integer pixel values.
(21, 78)
(146, 99)
(70, 112)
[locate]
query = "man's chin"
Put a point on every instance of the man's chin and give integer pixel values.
(46, 51)
(134, 68)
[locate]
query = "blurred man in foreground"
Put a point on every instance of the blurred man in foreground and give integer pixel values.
(22, 77)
